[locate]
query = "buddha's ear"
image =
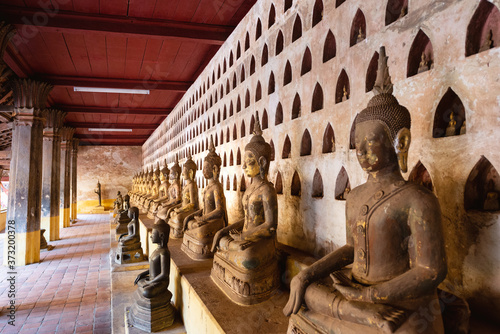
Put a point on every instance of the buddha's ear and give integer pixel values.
(262, 162)
(402, 145)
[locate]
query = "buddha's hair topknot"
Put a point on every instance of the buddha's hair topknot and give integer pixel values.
(386, 109)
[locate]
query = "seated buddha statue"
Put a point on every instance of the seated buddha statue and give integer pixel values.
(142, 187)
(162, 192)
(452, 126)
(122, 218)
(129, 248)
(155, 190)
(245, 264)
(174, 193)
(189, 197)
(394, 241)
(152, 310)
(118, 203)
(202, 225)
(149, 184)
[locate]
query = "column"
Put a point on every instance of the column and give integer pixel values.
(25, 181)
(74, 155)
(66, 147)
(51, 172)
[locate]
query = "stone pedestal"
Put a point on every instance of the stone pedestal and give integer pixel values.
(98, 209)
(25, 181)
(129, 254)
(197, 249)
(151, 315)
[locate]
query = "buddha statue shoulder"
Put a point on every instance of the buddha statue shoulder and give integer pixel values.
(246, 250)
(394, 238)
(201, 226)
(174, 193)
(189, 200)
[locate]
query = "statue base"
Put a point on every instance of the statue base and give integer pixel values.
(245, 287)
(98, 209)
(197, 249)
(127, 255)
(151, 315)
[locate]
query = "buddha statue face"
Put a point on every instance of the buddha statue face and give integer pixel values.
(187, 173)
(174, 175)
(251, 166)
(374, 148)
(208, 169)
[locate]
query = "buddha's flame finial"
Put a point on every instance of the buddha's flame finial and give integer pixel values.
(383, 84)
(256, 128)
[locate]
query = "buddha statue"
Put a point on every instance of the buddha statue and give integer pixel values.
(451, 128)
(463, 128)
(155, 189)
(345, 95)
(150, 181)
(122, 218)
(245, 263)
(118, 203)
(189, 202)
(394, 242)
(488, 42)
(162, 192)
(203, 224)
(142, 187)
(174, 193)
(152, 310)
(361, 35)
(424, 64)
(129, 244)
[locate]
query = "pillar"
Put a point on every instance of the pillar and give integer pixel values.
(65, 191)
(74, 155)
(51, 173)
(25, 181)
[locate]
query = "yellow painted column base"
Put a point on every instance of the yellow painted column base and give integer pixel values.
(24, 250)
(54, 228)
(64, 219)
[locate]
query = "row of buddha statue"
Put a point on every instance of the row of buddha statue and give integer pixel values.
(389, 269)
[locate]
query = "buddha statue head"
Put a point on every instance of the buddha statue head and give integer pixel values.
(257, 153)
(164, 172)
(161, 233)
(212, 163)
(189, 168)
(175, 171)
(133, 212)
(382, 129)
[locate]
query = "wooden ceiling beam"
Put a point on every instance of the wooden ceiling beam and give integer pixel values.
(114, 110)
(73, 81)
(113, 125)
(67, 20)
(87, 137)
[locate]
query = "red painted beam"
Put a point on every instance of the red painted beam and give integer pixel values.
(112, 125)
(73, 81)
(120, 143)
(110, 110)
(58, 20)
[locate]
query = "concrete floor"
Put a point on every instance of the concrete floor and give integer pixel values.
(69, 290)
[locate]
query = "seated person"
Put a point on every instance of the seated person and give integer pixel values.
(203, 224)
(154, 281)
(174, 193)
(246, 249)
(394, 236)
(189, 200)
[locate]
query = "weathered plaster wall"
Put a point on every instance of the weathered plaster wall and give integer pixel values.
(317, 225)
(112, 166)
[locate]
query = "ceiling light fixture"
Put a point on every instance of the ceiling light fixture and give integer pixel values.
(111, 90)
(109, 130)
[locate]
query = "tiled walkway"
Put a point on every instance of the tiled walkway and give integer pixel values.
(69, 290)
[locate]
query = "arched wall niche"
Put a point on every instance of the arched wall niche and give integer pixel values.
(272, 16)
(287, 149)
(287, 75)
(279, 43)
(420, 175)
(317, 99)
(343, 90)
(264, 118)
(317, 12)
(328, 140)
(317, 186)
(482, 189)
(358, 28)
(329, 47)
(395, 10)
(296, 186)
(238, 157)
(483, 31)
(421, 57)
(265, 55)
(305, 144)
(235, 183)
(271, 143)
(371, 73)
(243, 186)
(449, 119)
(296, 107)
(278, 117)
(297, 29)
(271, 84)
(306, 62)
(278, 184)
(342, 185)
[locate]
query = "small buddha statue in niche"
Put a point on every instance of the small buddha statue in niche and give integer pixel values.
(189, 197)
(162, 192)
(245, 264)
(394, 241)
(361, 35)
(404, 11)
(203, 224)
(491, 202)
(174, 193)
(152, 310)
(488, 42)
(424, 64)
(451, 128)
(463, 128)
(345, 95)
(129, 244)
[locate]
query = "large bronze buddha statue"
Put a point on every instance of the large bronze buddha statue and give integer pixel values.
(162, 192)
(152, 310)
(245, 264)
(394, 240)
(202, 225)
(189, 202)
(174, 193)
